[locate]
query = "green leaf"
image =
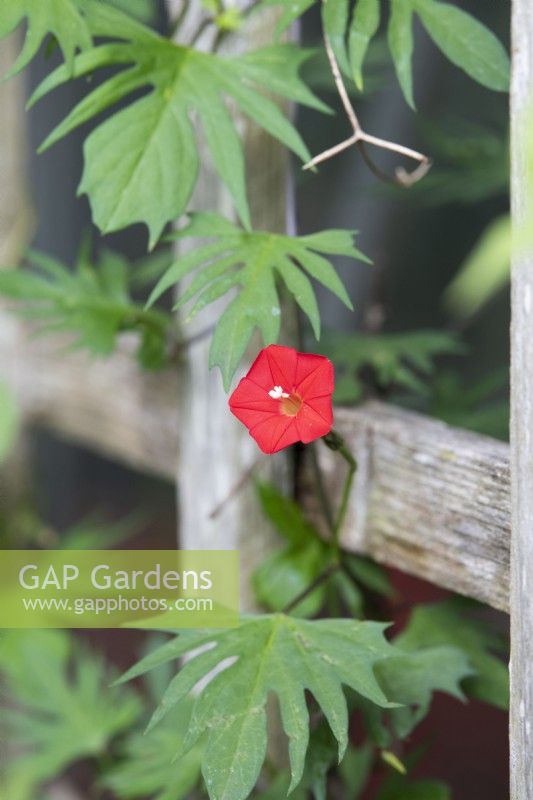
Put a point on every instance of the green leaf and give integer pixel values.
(484, 273)
(251, 262)
(481, 406)
(141, 164)
(370, 575)
(148, 766)
(393, 761)
(467, 43)
(402, 360)
(412, 678)
(143, 10)
(364, 26)
(321, 757)
(447, 623)
(286, 515)
(64, 710)
(60, 18)
(289, 571)
(401, 44)
(276, 654)
(9, 421)
(355, 768)
(400, 788)
(290, 12)
(95, 533)
(335, 15)
(92, 303)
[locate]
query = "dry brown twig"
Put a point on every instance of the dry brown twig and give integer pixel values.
(360, 138)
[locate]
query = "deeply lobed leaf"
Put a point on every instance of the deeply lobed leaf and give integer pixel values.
(147, 766)
(250, 262)
(141, 164)
(268, 654)
(402, 360)
(63, 713)
(93, 303)
(60, 18)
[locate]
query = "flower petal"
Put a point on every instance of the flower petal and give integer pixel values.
(282, 362)
(311, 424)
(260, 372)
(314, 376)
(275, 433)
(323, 407)
(282, 369)
(249, 395)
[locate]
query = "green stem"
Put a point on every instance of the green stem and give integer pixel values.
(336, 443)
(323, 497)
(318, 581)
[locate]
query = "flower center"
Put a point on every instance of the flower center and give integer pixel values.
(291, 405)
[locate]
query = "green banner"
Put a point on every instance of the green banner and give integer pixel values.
(117, 588)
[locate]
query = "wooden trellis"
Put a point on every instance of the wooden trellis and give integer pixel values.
(440, 503)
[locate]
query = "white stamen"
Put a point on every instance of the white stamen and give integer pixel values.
(277, 393)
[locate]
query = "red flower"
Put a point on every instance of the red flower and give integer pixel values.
(285, 398)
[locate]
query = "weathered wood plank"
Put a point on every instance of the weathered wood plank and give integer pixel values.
(15, 213)
(108, 405)
(521, 721)
(429, 499)
(214, 450)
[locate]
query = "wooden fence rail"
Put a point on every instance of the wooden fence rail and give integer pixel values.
(429, 499)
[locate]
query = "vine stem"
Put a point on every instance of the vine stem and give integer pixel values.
(359, 137)
(318, 581)
(336, 443)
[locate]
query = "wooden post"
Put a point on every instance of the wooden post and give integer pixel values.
(521, 719)
(15, 216)
(215, 451)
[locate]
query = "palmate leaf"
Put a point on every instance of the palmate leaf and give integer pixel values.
(251, 262)
(270, 654)
(441, 649)
(148, 767)
(482, 406)
(64, 710)
(411, 679)
(401, 360)
(464, 40)
(61, 18)
(93, 303)
(401, 45)
(447, 623)
(335, 17)
(141, 164)
(289, 12)
(363, 27)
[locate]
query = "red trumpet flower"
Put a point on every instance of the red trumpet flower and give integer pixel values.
(285, 398)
